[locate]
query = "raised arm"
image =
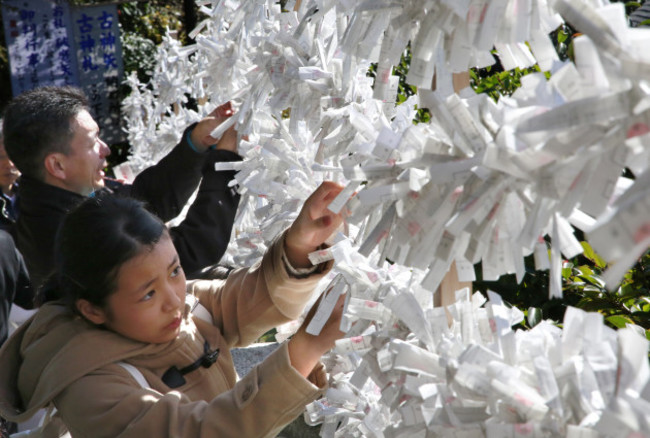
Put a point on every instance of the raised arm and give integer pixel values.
(167, 185)
(314, 225)
(253, 300)
(203, 236)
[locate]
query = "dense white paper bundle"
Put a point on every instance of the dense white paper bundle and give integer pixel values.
(403, 371)
(483, 181)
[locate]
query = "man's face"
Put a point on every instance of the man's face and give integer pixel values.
(86, 159)
(8, 172)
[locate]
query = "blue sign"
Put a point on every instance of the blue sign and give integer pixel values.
(40, 50)
(53, 43)
(99, 60)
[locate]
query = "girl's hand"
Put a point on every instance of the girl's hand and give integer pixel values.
(314, 224)
(305, 350)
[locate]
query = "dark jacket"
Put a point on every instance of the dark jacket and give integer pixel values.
(8, 213)
(14, 282)
(201, 239)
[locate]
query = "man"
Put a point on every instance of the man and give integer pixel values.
(8, 176)
(55, 143)
(14, 282)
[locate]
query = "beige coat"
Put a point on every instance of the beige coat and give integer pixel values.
(58, 357)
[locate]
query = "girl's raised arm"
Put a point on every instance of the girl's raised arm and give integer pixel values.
(314, 224)
(312, 227)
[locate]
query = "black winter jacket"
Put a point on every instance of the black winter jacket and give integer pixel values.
(14, 282)
(201, 239)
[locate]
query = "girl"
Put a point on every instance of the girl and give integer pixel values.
(125, 303)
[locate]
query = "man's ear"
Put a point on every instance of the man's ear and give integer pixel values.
(55, 165)
(91, 312)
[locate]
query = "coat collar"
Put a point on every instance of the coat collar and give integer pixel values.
(36, 196)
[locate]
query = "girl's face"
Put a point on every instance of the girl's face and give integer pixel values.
(150, 297)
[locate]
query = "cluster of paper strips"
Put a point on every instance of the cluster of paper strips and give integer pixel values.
(409, 375)
(482, 181)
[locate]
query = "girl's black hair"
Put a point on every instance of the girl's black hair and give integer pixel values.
(94, 240)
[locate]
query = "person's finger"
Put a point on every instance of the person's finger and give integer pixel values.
(323, 222)
(228, 140)
(316, 222)
(223, 110)
(322, 197)
(319, 225)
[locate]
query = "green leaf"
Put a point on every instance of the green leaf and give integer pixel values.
(591, 304)
(628, 291)
(619, 321)
(585, 270)
(592, 291)
(592, 256)
(562, 36)
(641, 316)
(595, 280)
(268, 336)
(534, 316)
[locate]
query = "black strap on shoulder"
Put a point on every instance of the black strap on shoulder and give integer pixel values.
(173, 377)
